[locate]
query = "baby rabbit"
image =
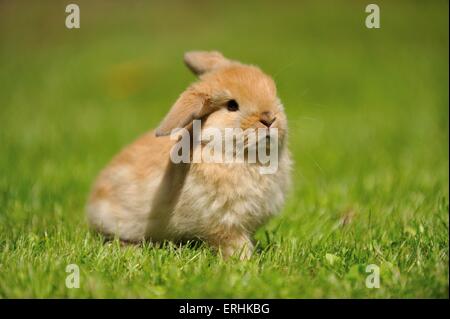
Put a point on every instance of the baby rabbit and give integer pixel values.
(143, 194)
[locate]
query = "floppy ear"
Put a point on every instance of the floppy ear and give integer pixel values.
(191, 105)
(200, 62)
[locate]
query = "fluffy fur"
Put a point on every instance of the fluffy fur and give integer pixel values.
(141, 194)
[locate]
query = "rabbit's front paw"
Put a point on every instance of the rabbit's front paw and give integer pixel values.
(237, 245)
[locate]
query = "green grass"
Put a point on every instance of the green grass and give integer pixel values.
(368, 113)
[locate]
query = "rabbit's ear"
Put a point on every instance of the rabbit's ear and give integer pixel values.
(201, 62)
(191, 105)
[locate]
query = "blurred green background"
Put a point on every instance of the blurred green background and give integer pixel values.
(368, 116)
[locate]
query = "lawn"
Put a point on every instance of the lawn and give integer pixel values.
(368, 118)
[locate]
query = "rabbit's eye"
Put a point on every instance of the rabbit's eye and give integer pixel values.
(232, 106)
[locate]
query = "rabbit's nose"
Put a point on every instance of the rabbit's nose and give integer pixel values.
(267, 119)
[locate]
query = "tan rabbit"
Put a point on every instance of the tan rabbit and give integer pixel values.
(143, 194)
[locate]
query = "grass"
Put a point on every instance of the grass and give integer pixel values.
(368, 114)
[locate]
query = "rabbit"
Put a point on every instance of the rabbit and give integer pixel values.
(143, 195)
